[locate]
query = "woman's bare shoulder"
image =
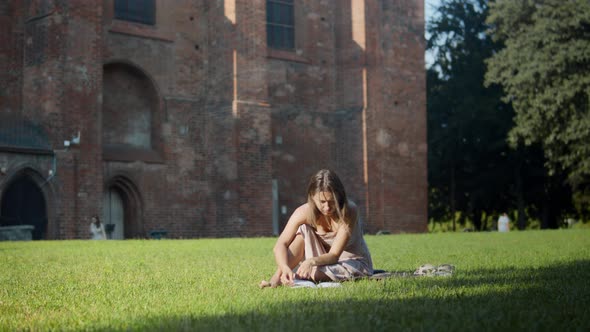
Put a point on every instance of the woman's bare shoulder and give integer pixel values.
(301, 213)
(303, 209)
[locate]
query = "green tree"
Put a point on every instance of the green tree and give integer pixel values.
(467, 122)
(544, 69)
(472, 170)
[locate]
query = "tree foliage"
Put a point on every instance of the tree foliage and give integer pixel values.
(472, 170)
(544, 69)
(467, 122)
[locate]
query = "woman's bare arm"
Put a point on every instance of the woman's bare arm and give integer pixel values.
(281, 248)
(342, 237)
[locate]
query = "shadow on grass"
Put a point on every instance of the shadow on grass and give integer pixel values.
(544, 299)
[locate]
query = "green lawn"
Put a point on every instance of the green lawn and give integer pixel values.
(534, 280)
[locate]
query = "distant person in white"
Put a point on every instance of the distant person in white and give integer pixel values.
(503, 223)
(97, 229)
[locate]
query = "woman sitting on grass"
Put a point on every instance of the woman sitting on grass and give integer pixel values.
(323, 236)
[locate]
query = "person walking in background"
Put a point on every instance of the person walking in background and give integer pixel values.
(323, 239)
(503, 223)
(97, 229)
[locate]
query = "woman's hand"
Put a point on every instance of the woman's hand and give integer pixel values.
(305, 270)
(286, 275)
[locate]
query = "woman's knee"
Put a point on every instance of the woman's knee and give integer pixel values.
(296, 248)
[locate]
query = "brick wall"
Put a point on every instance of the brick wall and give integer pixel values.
(223, 115)
(11, 48)
(396, 117)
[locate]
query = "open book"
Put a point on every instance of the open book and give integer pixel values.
(298, 283)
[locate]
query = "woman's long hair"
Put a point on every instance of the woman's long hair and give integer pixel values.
(97, 222)
(327, 180)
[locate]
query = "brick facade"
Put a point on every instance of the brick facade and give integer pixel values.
(191, 123)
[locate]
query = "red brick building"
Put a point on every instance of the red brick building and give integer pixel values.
(206, 118)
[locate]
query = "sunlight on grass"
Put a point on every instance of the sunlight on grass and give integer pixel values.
(516, 280)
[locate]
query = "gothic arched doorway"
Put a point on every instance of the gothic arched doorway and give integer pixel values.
(23, 203)
(122, 208)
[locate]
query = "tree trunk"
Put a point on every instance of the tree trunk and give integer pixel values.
(549, 217)
(477, 220)
(545, 217)
(550, 207)
(520, 202)
(453, 195)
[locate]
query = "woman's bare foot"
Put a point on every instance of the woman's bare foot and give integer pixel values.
(273, 283)
(264, 284)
